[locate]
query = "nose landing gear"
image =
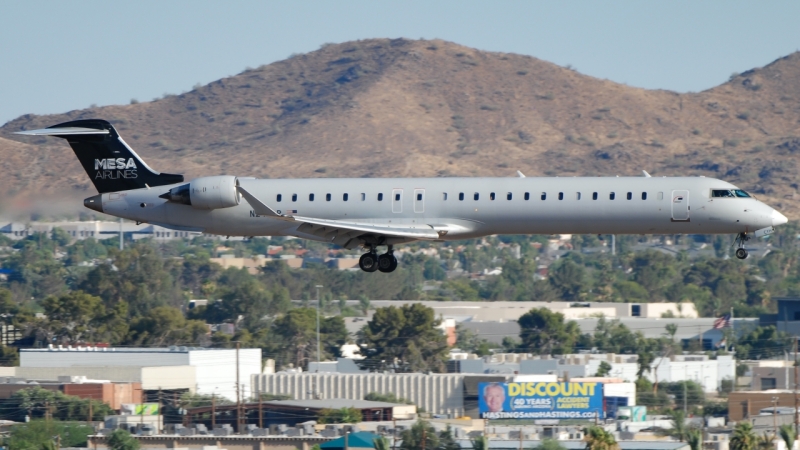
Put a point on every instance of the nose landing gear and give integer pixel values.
(371, 261)
(741, 238)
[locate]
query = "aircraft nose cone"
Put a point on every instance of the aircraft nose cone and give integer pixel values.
(778, 218)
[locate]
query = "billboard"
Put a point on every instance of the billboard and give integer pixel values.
(140, 409)
(540, 400)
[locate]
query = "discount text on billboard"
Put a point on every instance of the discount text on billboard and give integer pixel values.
(548, 400)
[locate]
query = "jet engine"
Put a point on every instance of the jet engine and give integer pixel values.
(206, 193)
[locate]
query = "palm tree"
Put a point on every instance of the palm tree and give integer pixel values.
(480, 443)
(743, 438)
(381, 443)
(679, 430)
(597, 438)
(695, 439)
(788, 436)
(765, 441)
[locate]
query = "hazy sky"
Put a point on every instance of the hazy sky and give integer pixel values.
(56, 56)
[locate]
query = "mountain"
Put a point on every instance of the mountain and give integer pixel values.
(381, 108)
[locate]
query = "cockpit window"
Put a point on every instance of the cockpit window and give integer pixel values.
(740, 193)
(721, 193)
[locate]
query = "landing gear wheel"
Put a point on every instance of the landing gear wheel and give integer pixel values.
(387, 263)
(741, 253)
(368, 262)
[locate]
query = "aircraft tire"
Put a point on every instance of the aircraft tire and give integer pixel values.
(387, 263)
(741, 253)
(368, 262)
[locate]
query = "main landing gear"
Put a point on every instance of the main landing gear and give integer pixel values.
(371, 261)
(741, 238)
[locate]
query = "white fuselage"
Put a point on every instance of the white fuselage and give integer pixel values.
(468, 207)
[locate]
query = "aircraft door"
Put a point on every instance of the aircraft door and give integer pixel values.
(397, 200)
(419, 200)
(680, 206)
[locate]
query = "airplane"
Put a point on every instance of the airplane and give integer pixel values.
(373, 212)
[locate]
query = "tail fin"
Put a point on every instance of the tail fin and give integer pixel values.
(107, 159)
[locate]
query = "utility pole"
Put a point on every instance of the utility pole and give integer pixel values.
(423, 438)
(260, 409)
(520, 438)
(213, 411)
(317, 394)
(89, 419)
(120, 233)
(394, 432)
(613, 244)
(796, 400)
(685, 409)
(238, 397)
(158, 418)
(774, 416)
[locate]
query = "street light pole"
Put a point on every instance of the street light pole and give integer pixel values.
(318, 346)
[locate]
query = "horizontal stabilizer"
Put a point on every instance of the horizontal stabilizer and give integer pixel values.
(67, 131)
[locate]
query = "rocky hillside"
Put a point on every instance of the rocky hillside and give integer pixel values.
(381, 107)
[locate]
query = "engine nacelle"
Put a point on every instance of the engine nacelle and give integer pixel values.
(206, 192)
(214, 192)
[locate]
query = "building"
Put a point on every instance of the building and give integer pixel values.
(112, 394)
(748, 404)
(772, 374)
(95, 229)
(438, 393)
(215, 369)
(698, 368)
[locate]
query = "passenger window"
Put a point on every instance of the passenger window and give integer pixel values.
(328, 197)
(344, 197)
(461, 196)
(280, 197)
(577, 196)
(561, 196)
(544, 195)
(491, 196)
(527, 196)
(508, 196)
(419, 197)
(311, 197)
(630, 195)
(444, 196)
(612, 195)
(397, 197)
(363, 196)
(380, 197)
(594, 195)
(294, 197)
(477, 196)
(660, 196)
(644, 195)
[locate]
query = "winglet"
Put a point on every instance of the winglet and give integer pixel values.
(647, 175)
(258, 206)
(520, 174)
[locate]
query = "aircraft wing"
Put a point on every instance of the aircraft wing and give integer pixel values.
(341, 231)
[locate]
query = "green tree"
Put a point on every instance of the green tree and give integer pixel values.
(480, 443)
(38, 402)
(38, 434)
(387, 398)
(788, 436)
(763, 343)
(165, 325)
(294, 337)
(549, 444)
(413, 437)
(447, 441)
(597, 438)
(603, 370)
(72, 318)
(341, 415)
(545, 332)
(122, 440)
(404, 339)
(678, 428)
(381, 443)
(469, 341)
(694, 438)
(568, 278)
(743, 438)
